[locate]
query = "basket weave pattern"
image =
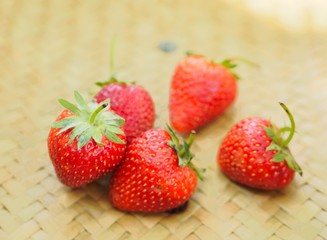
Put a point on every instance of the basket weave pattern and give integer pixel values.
(48, 49)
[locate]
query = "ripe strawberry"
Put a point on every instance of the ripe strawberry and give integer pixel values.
(130, 101)
(156, 174)
(86, 142)
(200, 91)
(254, 153)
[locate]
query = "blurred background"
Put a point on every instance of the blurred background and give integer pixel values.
(291, 14)
(50, 48)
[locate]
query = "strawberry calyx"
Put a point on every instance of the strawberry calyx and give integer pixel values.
(280, 144)
(192, 53)
(183, 151)
(227, 63)
(90, 121)
(230, 64)
(112, 80)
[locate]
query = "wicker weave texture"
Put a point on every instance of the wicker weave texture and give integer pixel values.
(50, 48)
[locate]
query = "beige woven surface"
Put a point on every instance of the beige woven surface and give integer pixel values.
(50, 48)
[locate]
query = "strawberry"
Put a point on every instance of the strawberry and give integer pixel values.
(200, 91)
(156, 174)
(130, 101)
(86, 142)
(255, 153)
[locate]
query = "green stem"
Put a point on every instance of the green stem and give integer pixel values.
(112, 55)
(192, 53)
(292, 129)
(191, 138)
(174, 137)
(199, 172)
(246, 61)
(97, 111)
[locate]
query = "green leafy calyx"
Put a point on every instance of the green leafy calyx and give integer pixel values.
(111, 80)
(280, 143)
(183, 151)
(227, 63)
(230, 64)
(90, 121)
(192, 53)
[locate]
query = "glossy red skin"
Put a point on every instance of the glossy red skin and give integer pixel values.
(200, 91)
(131, 102)
(149, 179)
(243, 157)
(76, 168)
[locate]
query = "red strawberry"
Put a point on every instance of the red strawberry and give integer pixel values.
(200, 91)
(86, 142)
(156, 174)
(132, 102)
(254, 153)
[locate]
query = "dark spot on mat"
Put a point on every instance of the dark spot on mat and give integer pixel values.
(167, 46)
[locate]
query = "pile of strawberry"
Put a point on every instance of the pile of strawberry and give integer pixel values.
(152, 169)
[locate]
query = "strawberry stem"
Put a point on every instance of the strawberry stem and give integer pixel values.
(191, 138)
(112, 78)
(192, 53)
(291, 129)
(183, 151)
(280, 145)
(246, 61)
(199, 171)
(112, 56)
(97, 111)
(112, 71)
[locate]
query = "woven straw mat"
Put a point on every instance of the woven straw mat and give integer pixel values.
(48, 49)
